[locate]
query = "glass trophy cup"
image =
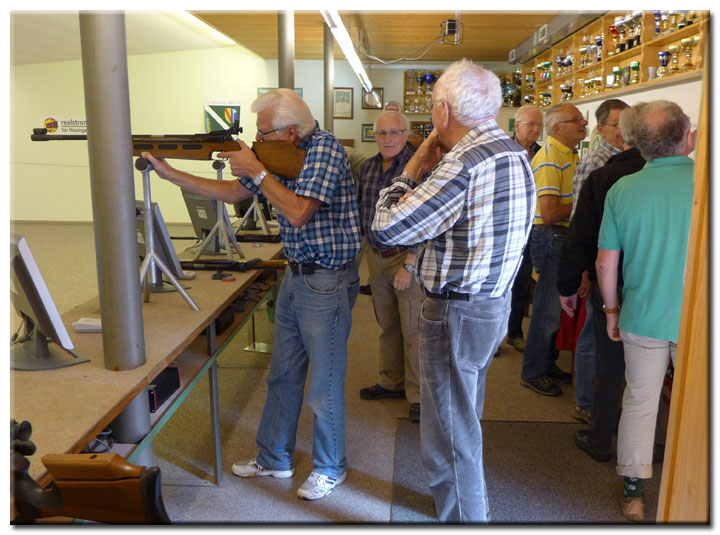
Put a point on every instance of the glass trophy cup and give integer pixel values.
(635, 68)
(429, 80)
(617, 76)
(674, 59)
(599, 42)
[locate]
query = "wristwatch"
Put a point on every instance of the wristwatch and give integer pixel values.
(257, 179)
(611, 310)
(409, 268)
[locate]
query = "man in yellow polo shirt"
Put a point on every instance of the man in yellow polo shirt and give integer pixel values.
(554, 167)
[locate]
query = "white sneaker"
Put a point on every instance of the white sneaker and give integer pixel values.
(318, 486)
(251, 468)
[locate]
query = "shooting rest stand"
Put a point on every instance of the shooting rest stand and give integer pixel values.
(256, 212)
(222, 227)
(148, 276)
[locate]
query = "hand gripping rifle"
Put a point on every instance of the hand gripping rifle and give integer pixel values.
(279, 157)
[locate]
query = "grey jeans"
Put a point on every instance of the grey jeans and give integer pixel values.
(457, 343)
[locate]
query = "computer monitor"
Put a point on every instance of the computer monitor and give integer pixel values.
(46, 344)
(204, 216)
(162, 243)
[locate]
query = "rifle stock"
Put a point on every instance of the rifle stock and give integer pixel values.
(279, 157)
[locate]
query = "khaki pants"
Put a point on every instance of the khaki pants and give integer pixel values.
(646, 361)
(397, 314)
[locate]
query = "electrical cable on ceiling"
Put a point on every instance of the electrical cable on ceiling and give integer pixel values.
(446, 31)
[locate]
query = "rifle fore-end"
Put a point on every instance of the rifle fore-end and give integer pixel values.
(183, 150)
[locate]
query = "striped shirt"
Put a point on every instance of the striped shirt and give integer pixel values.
(370, 180)
(471, 216)
(331, 238)
(587, 165)
(554, 167)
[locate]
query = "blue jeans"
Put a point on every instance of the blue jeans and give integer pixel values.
(540, 351)
(585, 361)
(457, 342)
(312, 324)
(520, 295)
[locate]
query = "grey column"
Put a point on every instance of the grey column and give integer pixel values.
(329, 77)
(107, 110)
(286, 49)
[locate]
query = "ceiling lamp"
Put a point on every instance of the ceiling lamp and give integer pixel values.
(335, 23)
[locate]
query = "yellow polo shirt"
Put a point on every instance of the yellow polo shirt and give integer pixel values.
(554, 167)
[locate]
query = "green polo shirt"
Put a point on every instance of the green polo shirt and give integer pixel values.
(647, 216)
(554, 167)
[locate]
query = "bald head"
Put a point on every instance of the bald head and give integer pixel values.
(662, 130)
(391, 133)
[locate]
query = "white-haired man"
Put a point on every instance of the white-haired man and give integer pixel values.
(396, 294)
(471, 217)
(647, 220)
(320, 229)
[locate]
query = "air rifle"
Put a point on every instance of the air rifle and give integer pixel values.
(232, 265)
(279, 157)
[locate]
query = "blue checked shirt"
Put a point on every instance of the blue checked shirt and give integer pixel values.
(472, 215)
(331, 238)
(370, 180)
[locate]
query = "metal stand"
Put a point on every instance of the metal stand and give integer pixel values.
(152, 260)
(256, 212)
(223, 226)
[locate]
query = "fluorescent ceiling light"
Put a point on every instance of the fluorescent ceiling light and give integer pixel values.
(335, 23)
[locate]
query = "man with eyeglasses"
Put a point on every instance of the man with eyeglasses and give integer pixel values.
(396, 294)
(554, 166)
(320, 228)
(610, 144)
(471, 216)
(528, 127)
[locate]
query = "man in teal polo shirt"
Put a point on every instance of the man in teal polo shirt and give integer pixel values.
(647, 219)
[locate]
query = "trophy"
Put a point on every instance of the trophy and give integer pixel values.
(664, 58)
(429, 79)
(696, 42)
(658, 24)
(686, 45)
(615, 35)
(599, 42)
(635, 67)
(419, 80)
(583, 55)
(409, 82)
(529, 99)
(681, 21)
(568, 62)
(673, 20)
(530, 79)
(617, 76)
(559, 62)
(629, 23)
(689, 17)
(547, 73)
(583, 87)
(620, 26)
(637, 17)
(664, 21)
(626, 75)
(675, 64)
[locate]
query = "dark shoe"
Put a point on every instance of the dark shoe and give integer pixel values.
(582, 442)
(544, 385)
(517, 343)
(365, 289)
(378, 392)
(560, 376)
(414, 414)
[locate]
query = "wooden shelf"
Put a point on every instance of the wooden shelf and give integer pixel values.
(645, 54)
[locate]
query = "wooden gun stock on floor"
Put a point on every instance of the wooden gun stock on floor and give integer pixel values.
(279, 157)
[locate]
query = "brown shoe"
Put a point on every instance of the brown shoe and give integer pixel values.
(633, 508)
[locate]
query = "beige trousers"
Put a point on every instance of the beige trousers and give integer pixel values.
(397, 314)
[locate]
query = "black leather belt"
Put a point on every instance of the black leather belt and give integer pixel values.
(303, 267)
(386, 253)
(447, 295)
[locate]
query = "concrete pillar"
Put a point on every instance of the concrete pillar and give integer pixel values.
(286, 49)
(328, 78)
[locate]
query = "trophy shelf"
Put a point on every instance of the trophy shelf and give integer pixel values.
(616, 54)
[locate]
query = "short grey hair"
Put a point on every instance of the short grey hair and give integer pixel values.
(390, 113)
(522, 110)
(661, 130)
(290, 110)
(472, 92)
(553, 116)
(626, 122)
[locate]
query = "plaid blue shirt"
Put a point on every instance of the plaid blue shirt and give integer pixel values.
(331, 238)
(370, 180)
(473, 214)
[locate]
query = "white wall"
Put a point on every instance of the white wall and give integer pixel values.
(50, 181)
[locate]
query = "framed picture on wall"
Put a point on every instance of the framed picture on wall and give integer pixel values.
(584, 149)
(368, 134)
(343, 103)
(372, 100)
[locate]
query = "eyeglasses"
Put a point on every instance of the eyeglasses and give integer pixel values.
(431, 104)
(573, 120)
(531, 124)
(392, 133)
(263, 134)
(608, 124)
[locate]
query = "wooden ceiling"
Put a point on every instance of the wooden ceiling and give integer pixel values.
(388, 35)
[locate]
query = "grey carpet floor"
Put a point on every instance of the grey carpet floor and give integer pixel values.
(534, 475)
